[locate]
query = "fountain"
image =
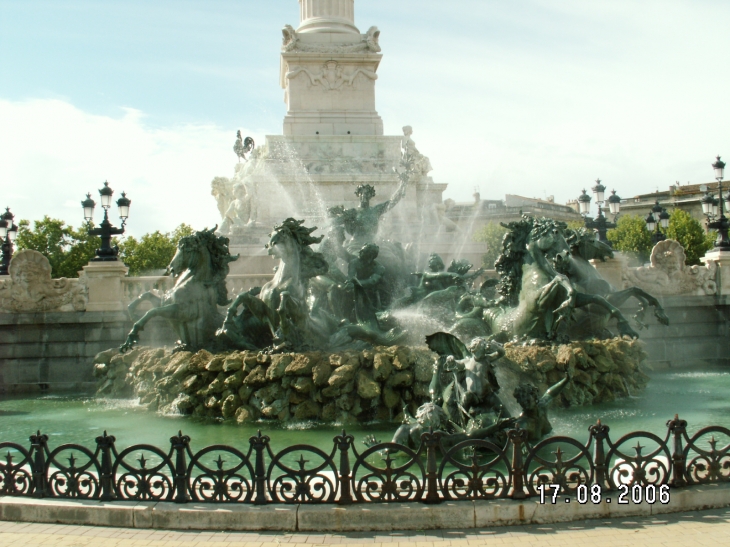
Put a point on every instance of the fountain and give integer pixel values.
(291, 351)
(338, 333)
(363, 325)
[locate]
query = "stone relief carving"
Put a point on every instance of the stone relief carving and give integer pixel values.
(290, 39)
(331, 76)
(30, 287)
(369, 43)
(669, 275)
(329, 161)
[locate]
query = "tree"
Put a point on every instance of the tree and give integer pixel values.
(152, 251)
(576, 224)
(631, 236)
(691, 236)
(492, 234)
(68, 250)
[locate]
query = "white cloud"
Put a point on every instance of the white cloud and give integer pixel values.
(537, 97)
(568, 91)
(54, 153)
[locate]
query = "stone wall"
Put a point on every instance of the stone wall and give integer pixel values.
(55, 351)
(698, 334)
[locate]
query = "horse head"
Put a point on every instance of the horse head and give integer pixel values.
(206, 256)
(186, 257)
(290, 242)
(549, 236)
(282, 244)
(584, 244)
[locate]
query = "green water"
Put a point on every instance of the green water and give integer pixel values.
(700, 397)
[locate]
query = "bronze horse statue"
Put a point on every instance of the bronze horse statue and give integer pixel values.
(277, 314)
(592, 321)
(199, 267)
(545, 286)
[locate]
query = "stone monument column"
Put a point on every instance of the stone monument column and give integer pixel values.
(327, 16)
(328, 72)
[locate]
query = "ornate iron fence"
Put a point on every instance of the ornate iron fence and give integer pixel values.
(386, 472)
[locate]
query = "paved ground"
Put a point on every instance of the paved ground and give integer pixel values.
(711, 528)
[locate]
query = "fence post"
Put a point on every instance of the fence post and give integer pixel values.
(259, 443)
(517, 437)
(344, 442)
(599, 432)
(180, 444)
(431, 440)
(678, 428)
(38, 447)
(105, 444)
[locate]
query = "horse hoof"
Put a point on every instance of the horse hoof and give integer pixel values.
(661, 317)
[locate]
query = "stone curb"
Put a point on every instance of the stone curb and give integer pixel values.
(363, 517)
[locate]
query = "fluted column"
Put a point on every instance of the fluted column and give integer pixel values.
(327, 16)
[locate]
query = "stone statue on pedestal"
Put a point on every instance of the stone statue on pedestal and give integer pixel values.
(421, 164)
(238, 215)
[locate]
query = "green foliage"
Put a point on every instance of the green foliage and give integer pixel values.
(492, 234)
(152, 251)
(68, 250)
(691, 235)
(576, 224)
(631, 236)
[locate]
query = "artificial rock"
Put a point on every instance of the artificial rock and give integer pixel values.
(344, 388)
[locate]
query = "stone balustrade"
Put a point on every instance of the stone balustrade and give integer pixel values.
(105, 286)
(133, 287)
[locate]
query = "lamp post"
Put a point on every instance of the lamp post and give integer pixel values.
(721, 223)
(657, 219)
(105, 230)
(8, 233)
(600, 224)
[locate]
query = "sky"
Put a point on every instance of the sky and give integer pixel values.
(528, 97)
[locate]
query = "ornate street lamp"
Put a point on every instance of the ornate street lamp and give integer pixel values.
(600, 224)
(707, 202)
(664, 219)
(598, 191)
(614, 203)
(8, 233)
(105, 230)
(657, 219)
(584, 201)
(721, 224)
(650, 222)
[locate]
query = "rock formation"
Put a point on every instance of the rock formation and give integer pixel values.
(351, 386)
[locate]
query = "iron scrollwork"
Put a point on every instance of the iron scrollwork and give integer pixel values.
(15, 477)
(384, 472)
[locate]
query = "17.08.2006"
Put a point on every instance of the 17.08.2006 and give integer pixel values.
(636, 494)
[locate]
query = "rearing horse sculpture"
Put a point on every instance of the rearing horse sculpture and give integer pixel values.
(200, 267)
(537, 296)
(591, 321)
(278, 313)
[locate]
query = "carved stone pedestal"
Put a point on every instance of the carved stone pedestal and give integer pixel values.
(722, 261)
(104, 280)
(612, 269)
